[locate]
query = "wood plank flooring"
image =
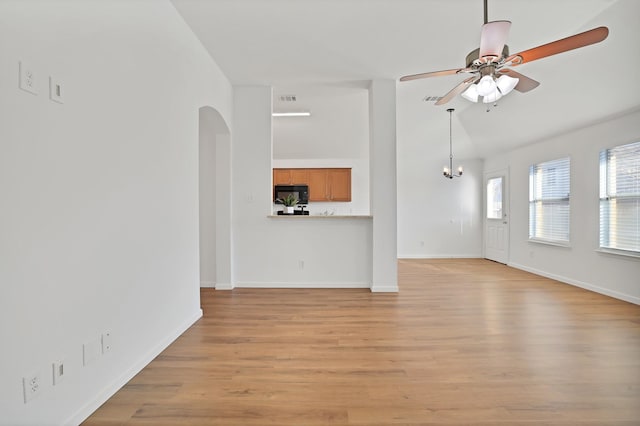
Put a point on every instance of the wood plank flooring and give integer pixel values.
(466, 341)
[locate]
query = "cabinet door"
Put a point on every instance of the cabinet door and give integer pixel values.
(282, 176)
(339, 182)
(318, 185)
(299, 176)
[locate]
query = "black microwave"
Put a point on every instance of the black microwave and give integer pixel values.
(300, 192)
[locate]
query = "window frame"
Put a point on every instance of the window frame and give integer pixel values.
(604, 197)
(537, 202)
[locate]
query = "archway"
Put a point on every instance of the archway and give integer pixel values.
(215, 199)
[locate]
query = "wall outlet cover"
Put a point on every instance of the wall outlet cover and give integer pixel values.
(106, 342)
(32, 386)
(27, 80)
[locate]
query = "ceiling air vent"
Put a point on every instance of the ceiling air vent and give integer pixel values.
(431, 98)
(287, 98)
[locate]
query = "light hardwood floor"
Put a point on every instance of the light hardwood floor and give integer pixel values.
(464, 342)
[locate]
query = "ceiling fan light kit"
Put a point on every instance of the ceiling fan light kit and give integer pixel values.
(490, 88)
(489, 64)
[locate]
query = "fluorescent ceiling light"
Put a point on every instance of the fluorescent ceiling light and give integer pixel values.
(292, 114)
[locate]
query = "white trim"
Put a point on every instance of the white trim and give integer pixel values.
(299, 284)
(101, 397)
(224, 286)
(384, 288)
(611, 293)
(557, 243)
(618, 252)
(208, 284)
(439, 256)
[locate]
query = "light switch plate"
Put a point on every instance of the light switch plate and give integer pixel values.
(55, 90)
(59, 372)
(27, 78)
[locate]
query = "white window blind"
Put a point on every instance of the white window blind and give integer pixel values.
(620, 198)
(549, 188)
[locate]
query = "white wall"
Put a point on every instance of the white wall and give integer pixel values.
(207, 194)
(99, 217)
(382, 125)
(437, 217)
(285, 252)
(337, 128)
(335, 135)
(579, 264)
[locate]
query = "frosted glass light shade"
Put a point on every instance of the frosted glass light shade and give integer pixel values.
(492, 97)
(471, 94)
(486, 85)
(506, 83)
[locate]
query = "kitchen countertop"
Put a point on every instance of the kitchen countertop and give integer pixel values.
(321, 216)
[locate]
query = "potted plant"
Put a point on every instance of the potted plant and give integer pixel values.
(289, 203)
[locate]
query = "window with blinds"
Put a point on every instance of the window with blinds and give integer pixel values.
(620, 198)
(549, 189)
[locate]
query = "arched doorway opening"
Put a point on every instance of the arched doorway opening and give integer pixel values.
(215, 199)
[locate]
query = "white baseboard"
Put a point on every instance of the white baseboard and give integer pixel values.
(224, 286)
(84, 412)
(299, 284)
(384, 288)
(581, 284)
(439, 256)
(208, 284)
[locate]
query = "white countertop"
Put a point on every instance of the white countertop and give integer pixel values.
(320, 216)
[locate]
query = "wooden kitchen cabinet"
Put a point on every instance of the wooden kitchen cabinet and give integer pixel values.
(299, 176)
(318, 185)
(290, 176)
(282, 176)
(339, 183)
(324, 184)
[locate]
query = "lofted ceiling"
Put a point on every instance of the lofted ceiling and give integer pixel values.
(303, 45)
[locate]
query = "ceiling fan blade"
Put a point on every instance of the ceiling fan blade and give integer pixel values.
(586, 38)
(457, 90)
(492, 38)
(434, 74)
(524, 84)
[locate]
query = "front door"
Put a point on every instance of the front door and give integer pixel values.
(496, 228)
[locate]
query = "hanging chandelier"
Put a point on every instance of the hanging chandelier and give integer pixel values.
(448, 172)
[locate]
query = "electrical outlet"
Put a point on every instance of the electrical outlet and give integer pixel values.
(27, 78)
(32, 386)
(58, 372)
(106, 342)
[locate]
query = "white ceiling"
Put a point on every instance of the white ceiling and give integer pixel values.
(301, 44)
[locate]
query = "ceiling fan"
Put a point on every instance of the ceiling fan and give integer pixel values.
(491, 78)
